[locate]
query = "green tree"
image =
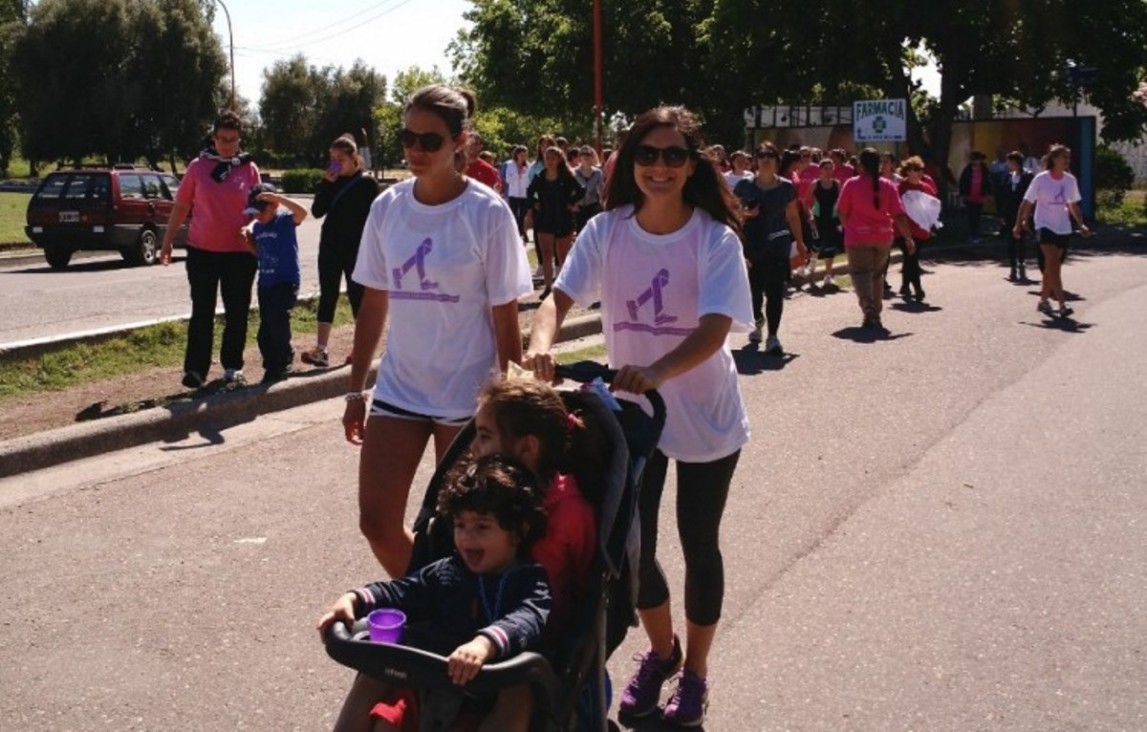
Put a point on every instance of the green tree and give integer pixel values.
(145, 83)
(13, 15)
(304, 108)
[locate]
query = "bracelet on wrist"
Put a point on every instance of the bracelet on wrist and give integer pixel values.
(356, 396)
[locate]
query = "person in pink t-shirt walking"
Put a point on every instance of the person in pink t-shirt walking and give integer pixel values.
(870, 209)
(975, 187)
(219, 261)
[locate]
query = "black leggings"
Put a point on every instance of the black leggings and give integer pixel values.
(701, 492)
(767, 281)
(910, 271)
(334, 262)
(520, 207)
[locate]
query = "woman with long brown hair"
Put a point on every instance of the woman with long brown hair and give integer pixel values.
(665, 261)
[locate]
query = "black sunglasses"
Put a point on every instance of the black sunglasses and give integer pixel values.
(428, 141)
(762, 154)
(673, 156)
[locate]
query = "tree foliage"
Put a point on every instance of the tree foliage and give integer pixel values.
(304, 108)
(145, 83)
(13, 15)
(722, 56)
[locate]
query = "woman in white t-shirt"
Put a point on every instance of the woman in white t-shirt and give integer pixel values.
(441, 260)
(1055, 195)
(665, 261)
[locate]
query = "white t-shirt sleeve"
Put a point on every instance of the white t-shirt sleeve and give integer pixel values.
(507, 269)
(370, 266)
(580, 277)
(1072, 192)
(724, 280)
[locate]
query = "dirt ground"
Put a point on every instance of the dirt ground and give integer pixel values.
(158, 386)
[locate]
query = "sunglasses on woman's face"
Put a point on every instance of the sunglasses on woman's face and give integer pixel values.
(428, 141)
(764, 154)
(673, 156)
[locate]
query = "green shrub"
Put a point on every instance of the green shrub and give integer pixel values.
(301, 180)
(1113, 177)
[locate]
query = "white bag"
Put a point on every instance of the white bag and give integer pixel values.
(923, 209)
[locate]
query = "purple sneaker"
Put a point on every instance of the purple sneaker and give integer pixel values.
(687, 705)
(643, 692)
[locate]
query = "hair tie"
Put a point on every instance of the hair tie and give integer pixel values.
(573, 422)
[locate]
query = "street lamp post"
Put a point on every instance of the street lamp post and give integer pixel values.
(231, 40)
(597, 91)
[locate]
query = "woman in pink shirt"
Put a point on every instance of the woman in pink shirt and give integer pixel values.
(219, 261)
(870, 209)
(975, 187)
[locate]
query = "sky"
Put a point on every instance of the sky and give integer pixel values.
(388, 35)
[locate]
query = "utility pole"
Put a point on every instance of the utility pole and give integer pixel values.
(597, 85)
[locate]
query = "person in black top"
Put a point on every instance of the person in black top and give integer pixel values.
(553, 195)
(343, 196)
(1009, 195)
(772, 223)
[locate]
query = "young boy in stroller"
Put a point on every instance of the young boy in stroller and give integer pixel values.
(484, 601)
(575, 445)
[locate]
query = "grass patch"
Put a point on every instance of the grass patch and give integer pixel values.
(155, 346)
(591, 353)
(13, 211)
(1131, 212)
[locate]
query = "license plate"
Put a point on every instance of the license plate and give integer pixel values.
(69, 217)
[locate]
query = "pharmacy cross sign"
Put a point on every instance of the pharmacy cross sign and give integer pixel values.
(879, 120)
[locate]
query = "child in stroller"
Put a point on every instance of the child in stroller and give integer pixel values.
(483, 601)
(606, 453)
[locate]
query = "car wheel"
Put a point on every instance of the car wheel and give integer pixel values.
(57, 256)
(146, 250)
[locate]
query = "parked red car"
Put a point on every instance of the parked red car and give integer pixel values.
(123, 208)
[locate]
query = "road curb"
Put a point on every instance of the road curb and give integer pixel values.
(205, 415)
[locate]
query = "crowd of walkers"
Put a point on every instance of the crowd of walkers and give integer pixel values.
(680, 244)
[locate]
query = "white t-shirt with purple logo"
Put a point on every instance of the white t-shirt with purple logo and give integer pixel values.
(444, 267)
(1051, 198)
(653, 291)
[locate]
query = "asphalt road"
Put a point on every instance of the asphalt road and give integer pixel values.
(102, 291)
(941, 530)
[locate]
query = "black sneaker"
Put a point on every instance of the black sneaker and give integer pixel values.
(192, 380)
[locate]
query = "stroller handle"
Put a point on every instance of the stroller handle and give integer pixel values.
(415, 667)
(586, 371)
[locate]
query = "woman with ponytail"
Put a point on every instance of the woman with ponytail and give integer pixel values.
(442, 268)
(870, 210)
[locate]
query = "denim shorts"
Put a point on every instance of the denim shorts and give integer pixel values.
(379, 408)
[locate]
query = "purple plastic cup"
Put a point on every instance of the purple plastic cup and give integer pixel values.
(386, 625)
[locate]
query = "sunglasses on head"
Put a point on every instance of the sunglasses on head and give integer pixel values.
(673, 156)
(428, 141)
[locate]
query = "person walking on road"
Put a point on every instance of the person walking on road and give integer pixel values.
(219, 262)
(1055, 195)
(666, 262)
(912, 183)
(442, 269)
(553, 196)
(772, 223)
(870, 209)
(342, 200)
(1010, 192)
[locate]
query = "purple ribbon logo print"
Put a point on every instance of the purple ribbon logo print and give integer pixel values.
(417, 262)
(660, 317)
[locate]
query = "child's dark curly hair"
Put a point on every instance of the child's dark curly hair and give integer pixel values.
(501, 487)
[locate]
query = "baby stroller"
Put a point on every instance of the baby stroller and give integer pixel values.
(569, 689)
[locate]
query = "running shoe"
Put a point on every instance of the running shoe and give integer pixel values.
(773, 346)
(755, 336)
(641, 694)
(1065, 310)
(687, 705)
(1044, 307)
(317, 357)
(192, 380)
(234, 376)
